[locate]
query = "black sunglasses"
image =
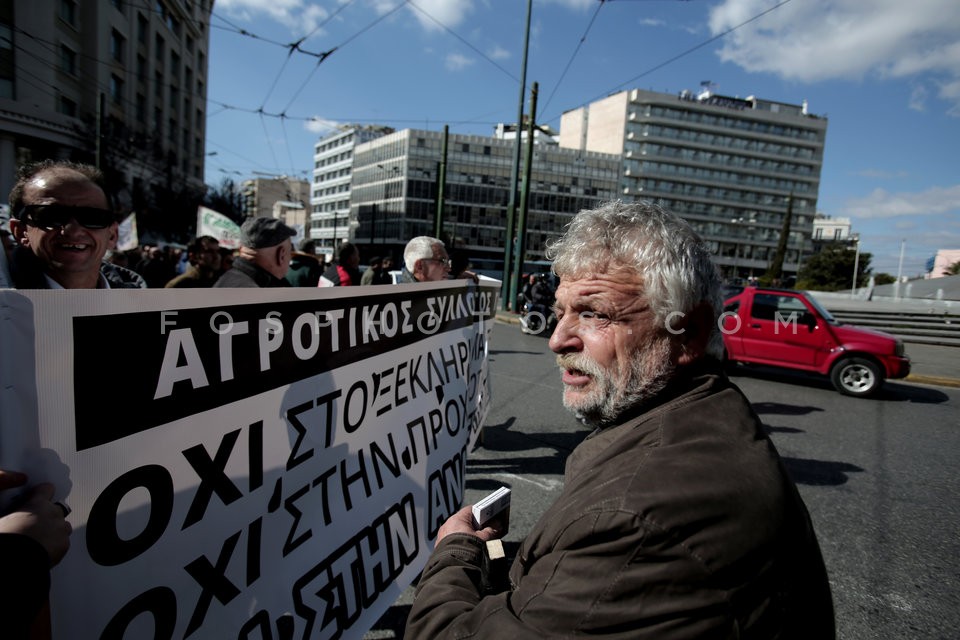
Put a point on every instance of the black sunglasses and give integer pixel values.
(57, 216)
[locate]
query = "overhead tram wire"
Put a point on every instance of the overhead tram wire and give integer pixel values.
(463, 40)
(686, 52)
(576, 51)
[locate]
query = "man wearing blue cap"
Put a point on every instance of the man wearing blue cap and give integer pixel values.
(265, 250)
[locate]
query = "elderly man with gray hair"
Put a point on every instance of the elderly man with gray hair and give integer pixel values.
(265, 250)
(677, 517)
(425, 259)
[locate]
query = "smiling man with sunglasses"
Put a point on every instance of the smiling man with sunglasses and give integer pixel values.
(62, 225)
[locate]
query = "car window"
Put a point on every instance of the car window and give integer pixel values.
(766, 306)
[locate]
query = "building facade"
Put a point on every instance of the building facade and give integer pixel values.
(395, 188)
(261, 194)
(330, 222)
(731, 167)
(117, 84)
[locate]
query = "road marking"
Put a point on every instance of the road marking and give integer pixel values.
(547, 485)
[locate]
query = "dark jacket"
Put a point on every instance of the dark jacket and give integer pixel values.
(678, 523)
(246, 274)
(27, 272)
(305, 270)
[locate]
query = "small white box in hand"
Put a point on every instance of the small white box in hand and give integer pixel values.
(491, 506)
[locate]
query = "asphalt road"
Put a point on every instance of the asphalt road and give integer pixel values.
(878, 476)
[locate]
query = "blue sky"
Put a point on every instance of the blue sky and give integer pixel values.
(886, 73)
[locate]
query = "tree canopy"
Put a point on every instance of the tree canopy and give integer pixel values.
(832, 269)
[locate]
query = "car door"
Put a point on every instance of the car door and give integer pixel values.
(781, 329)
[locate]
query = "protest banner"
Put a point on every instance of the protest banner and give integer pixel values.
(243, 463)
(219, 226)
(127, 237)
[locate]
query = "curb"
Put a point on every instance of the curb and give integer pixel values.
(938, 381)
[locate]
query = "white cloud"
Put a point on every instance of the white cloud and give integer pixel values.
(449, 13)
(457, 62)
(882, 204)
(320, 125)
(296, 15)
(498, 53)
(651, 22)
(816, 40)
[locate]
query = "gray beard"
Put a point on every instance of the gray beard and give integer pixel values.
(649, 372)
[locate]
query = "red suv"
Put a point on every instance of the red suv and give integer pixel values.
(787, 328)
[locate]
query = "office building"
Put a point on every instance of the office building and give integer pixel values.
(117, 84)
(395, 181)
(731, 167)
(330, 222)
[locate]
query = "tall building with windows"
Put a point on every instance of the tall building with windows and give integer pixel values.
(110, 82)
(395, 182)
(731, 167)
(330, 222)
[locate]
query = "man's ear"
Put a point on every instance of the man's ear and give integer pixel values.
(18, 229)
(696, 328)
(114, 236)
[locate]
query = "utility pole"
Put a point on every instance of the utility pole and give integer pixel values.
(508, 291)
(441, 184)
(525, 194)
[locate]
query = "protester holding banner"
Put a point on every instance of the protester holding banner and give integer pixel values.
(34, 536)
(677, 518)
(265, 250)
(204, 270)
(63, 227)
(425, 259)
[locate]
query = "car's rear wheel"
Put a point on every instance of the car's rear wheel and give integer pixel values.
(856, 377)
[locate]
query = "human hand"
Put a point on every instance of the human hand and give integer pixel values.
(37, 517)
(462, 522)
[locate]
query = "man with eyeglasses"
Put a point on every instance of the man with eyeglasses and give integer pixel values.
(63, 226)
(425, 259)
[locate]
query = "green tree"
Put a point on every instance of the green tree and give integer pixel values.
(953, 269)
(832, 269)
(883, 278)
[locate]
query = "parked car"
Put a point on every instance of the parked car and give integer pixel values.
(787, 328)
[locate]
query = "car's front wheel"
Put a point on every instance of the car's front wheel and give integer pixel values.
(856, 377)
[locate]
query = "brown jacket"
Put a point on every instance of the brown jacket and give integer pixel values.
(678, 523)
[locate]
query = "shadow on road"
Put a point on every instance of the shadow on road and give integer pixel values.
(782, 409)
(819, 472)
(894, 392)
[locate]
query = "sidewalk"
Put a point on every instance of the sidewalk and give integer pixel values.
(930, 364)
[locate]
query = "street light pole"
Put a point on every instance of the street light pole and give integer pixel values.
(856, 266)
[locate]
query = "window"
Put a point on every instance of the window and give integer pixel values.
(117, 44)
(158, 49)
(141, 108)
(142, 28)
(68, 12)
(141, 68)
(116, 89)
(67, 107)
(68, 60)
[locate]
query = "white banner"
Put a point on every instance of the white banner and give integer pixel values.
(127, 238)
(219, 226)
(243, 463)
